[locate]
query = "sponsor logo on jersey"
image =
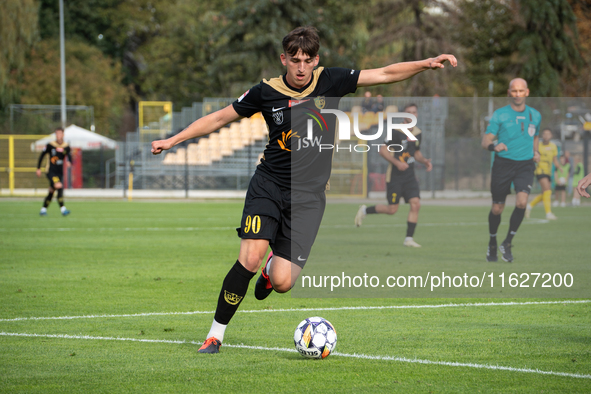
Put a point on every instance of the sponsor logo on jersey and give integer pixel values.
(231, 298)
(283, 142)
(406, 158)
(243, 95)
(293, 103)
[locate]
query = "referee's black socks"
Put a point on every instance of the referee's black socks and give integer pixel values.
(233, 291)
(493, 225)
(516, 219)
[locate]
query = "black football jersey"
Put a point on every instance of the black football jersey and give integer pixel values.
(407, 154)
(57, 153)
(310, 168)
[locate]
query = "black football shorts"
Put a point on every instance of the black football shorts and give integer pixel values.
(54, 178)
(506, 172)
(403, 186)
(288, 219)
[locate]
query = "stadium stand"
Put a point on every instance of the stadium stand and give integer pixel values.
(220, 144)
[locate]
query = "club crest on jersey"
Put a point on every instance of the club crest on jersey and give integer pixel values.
(320, 102)
(278, 117)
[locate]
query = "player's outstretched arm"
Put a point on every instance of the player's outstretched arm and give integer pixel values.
(400, 71)
(583, 185)
(198, 128)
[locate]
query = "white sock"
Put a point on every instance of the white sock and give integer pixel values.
(217, 331)
(407, 239)
(63, 208)
(43, 209)
(365, 210)
(268, 265)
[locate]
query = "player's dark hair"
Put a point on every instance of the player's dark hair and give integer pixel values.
(59, 128)
(304, 38)
(410, 105)
(549, 129)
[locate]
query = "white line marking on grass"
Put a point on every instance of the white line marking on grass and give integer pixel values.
(337, 354)
(67, 229)
(342, 308)
(333, 226)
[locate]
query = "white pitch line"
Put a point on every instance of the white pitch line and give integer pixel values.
(333, 226)
(343, 308)
(337, 354)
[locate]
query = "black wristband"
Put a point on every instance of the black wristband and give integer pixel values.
(491, 147)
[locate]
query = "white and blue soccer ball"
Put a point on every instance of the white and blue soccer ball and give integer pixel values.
(315, 337)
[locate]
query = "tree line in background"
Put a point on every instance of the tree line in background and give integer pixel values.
(121, 51)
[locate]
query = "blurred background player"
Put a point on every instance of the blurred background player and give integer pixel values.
(578, 172)
(516, 127)
(561, 179)
(367, 103)
(401, 180)
(548, 156)
(57, 150)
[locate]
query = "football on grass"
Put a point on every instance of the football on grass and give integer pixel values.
(315, 337)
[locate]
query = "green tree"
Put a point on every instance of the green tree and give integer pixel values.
(91, 79)
(173, 64)
(409, 30)
(248, 41)
(18, 33)
(579, 84)
(483, 31)
(546, 44)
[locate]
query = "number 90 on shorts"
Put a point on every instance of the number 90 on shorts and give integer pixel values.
(257, 227)
(252, 224)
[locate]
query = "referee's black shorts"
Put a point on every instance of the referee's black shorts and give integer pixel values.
(289, 219)
(506, 172)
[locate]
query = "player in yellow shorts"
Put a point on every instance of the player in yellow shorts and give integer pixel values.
(548, 152)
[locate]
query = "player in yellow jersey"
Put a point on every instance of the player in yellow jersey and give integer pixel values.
(548, 156)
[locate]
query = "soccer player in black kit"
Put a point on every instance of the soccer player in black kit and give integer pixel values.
(57, 150)
(267, 215)
(401, 180)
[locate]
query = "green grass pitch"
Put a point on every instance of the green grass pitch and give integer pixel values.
(114, 273)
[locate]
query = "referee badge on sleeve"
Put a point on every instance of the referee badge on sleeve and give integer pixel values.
(531, 129)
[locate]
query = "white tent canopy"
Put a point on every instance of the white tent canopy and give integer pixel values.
(77, 137)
